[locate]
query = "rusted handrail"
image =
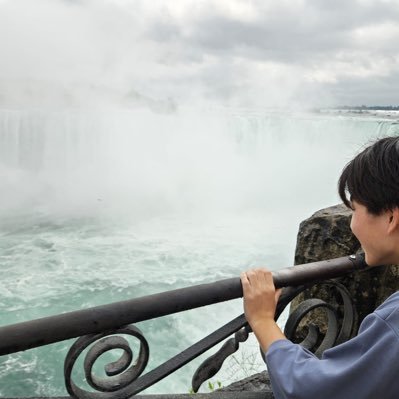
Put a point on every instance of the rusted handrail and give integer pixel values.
(47, 330)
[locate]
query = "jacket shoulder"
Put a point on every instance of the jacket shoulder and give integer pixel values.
(389, 311)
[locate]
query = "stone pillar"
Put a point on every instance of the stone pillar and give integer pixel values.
(326, 235)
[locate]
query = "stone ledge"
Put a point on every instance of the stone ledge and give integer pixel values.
(211, 395)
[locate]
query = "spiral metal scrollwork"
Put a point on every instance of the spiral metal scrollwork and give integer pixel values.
(124, 375)
(336, 331)
(339, 328)
(214, 363)
(121, 373)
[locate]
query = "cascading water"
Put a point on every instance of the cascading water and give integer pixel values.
(102, 206)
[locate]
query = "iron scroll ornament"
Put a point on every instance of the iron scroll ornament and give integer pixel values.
(133, 383)
(121, 373)
(124, 375)
(337, 331)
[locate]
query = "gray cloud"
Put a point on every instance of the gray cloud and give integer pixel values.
(232, 52)
(359, 91)
(285, 33)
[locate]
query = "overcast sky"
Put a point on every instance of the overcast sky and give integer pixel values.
(229, 52)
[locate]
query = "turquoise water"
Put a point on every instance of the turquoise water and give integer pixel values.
(97, 207)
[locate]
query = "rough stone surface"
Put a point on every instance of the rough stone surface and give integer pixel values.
(256, 382)
(326, 235)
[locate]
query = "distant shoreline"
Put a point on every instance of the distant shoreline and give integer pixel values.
(391, 112)
(368, 107)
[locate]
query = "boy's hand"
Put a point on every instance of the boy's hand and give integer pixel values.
(260, 300)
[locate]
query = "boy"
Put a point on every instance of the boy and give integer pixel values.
(366, 366)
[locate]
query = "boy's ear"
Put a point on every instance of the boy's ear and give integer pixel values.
(393, 220)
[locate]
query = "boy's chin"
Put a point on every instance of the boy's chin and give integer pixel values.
(370, 260)
(374, 261)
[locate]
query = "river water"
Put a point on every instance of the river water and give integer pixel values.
(101, 206)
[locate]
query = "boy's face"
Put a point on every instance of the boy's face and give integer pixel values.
(374, 234)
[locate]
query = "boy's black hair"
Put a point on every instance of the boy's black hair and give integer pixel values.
(372, 177)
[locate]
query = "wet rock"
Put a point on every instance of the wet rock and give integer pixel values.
(259, 382)
(326, 235)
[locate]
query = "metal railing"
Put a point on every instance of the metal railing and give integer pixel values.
(100, 328)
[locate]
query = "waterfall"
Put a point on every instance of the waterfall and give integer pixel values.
(137, 161)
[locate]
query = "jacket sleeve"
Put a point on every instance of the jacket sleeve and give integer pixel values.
(366, 366)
